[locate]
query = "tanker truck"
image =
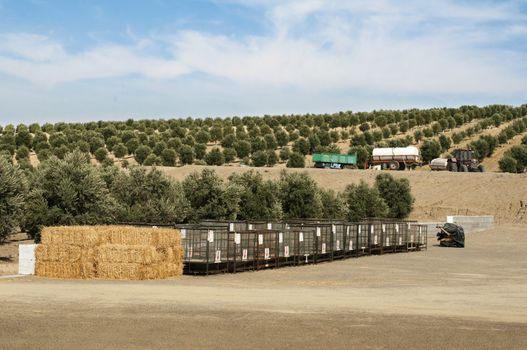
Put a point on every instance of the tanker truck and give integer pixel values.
(397, 158)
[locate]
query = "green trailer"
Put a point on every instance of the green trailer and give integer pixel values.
(334, 160)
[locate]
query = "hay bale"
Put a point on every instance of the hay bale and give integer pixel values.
(120, 271)
(58, 253)
(109, 252)
(57, 269)
(82, 236)
(118, 253)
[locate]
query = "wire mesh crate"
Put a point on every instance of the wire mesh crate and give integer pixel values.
(206, 249)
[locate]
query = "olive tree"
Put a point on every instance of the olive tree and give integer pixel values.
(12, 196)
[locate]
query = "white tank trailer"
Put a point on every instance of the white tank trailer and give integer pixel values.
(397, 158)
(439, 164)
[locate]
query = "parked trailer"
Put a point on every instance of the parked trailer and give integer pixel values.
(398, 158)
(334, 160)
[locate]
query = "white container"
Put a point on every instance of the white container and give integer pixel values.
(26, 259)
(406, 153)
(439, 164)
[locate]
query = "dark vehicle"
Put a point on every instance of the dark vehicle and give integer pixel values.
(451, 235)
(463, 160)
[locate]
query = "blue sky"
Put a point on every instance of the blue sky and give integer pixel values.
(97, 60)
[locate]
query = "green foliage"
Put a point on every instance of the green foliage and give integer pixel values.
(152, 160)
(168, 157)
(259, 158)
(515, 159)
(260, 200)
(13, 189)
(101, 154)
(285, 153)
(186, 154)
(363, 202)
(229, 154)
(148, 196)
(200, 149)
(445, 142)
(272, 158)
(210, 197)
(397, 194)
(67, 192)
(300, 196)
(508, 164)
(141, 153)
(22, 153)
(296, 160)
(429, 150)
(333, 205)
(215, 157)
(120, 150)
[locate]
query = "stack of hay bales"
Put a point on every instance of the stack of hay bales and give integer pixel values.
(109, 252)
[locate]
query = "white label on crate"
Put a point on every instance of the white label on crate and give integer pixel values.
(244, 255)
(351, 245)
(260, 239)
(210, 236)
(347, 231)
(338, 244)
(280, 237)
(397, 228)
(383, 227)
(301, 236)
(372, 229)
(360, 229)
(400, 240)
(306, 255)
(408, 225)
(323, 248)
(269, 225)
(183, 233)
(375, 239)
(266, 253)
(420, 230)
(237, 238)
(412, 238)
(333, 228)
(287, 227)
(189, 252)
(286, 251)
(218, 256)
(250, 227)
(387, 241)
(231, 227)
(318, 231)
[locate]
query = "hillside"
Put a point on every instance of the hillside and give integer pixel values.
(437, 194)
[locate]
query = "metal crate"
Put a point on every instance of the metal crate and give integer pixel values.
(206, 249)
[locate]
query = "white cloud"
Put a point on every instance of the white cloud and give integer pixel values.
(406, 47)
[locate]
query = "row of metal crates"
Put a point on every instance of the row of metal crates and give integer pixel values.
(214, 247)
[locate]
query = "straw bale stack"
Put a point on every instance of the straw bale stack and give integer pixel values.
(109, 252)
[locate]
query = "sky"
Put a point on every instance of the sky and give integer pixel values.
(68, 60)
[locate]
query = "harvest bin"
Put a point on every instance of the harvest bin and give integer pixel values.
(234, 246)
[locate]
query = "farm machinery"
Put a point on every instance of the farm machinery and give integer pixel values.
(462, 160)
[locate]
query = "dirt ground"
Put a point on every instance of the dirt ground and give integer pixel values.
(472, 298)
(437, 194)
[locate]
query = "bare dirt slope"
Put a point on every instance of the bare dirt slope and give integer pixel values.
(437, 194)
(472, 298)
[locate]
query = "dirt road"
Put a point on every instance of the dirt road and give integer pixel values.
(442, 298)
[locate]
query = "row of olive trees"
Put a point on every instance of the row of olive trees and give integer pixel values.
(515, 159)
(71, 191)
(184, 141)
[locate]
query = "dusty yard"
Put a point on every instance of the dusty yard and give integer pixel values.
(473, 298)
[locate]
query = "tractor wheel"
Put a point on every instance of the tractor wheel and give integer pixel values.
(452, 167)
(402, 166)
(393, 165)
(481, 168)
(464, 168)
